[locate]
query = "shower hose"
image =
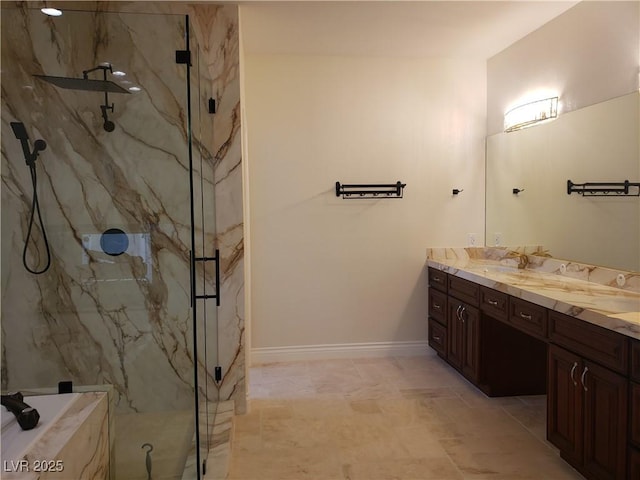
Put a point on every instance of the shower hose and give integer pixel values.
(35, 207)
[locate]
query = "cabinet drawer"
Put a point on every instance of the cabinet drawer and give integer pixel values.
(634, 411)
(595, 343)
(635, 359)
(438, 306)
(464, 290)
(438, 337)
(528, 317)
(438, 279)
(494, 303)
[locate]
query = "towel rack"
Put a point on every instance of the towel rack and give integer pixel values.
(595, 189)
(372, 190)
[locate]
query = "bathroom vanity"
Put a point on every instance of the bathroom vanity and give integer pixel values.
(516, 323)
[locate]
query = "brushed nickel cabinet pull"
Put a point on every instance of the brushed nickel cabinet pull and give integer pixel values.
(526, 316)
(437, 307)
(573, 370)
(582, 378)
(492, 302)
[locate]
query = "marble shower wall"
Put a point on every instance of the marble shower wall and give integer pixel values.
(124, 320)
(216, 28)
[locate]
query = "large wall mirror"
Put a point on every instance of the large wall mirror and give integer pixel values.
(598, 143)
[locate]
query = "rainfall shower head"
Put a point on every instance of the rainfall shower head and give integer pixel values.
(85, 84)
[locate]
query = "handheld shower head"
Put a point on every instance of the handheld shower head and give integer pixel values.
(20, 132)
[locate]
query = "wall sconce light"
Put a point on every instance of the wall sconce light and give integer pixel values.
(530, 113)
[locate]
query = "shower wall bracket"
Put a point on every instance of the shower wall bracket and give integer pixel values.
(599, 189)
(183, 57)
(371, 190)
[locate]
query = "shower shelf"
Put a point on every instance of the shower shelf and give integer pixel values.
(596, 189)
(373, 190)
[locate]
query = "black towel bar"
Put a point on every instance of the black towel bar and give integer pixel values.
(594, 189)
(372, 190)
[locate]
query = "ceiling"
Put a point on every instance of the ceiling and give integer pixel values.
(478, 29)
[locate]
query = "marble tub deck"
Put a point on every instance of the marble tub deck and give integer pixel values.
(587, 292)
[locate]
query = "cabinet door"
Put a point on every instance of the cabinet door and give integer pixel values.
(471, 343)
(454, 333)
(634, 409)
(605, 417)
(564, 403)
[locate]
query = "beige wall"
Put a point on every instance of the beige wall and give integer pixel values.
(328, 271)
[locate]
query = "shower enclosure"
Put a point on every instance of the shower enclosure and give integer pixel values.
(125, 190)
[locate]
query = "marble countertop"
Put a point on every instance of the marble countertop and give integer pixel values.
(550, 283)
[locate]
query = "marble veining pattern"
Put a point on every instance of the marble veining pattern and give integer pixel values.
(78, 439)
(587, 292)
(122, 320)
(216, 28)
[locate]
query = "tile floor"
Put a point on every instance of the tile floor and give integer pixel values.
(386, 418)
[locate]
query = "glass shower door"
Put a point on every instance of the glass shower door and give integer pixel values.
(206, 256)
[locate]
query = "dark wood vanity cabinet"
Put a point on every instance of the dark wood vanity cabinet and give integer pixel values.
(463, 346)
(587, 414)
(438, 306)
(508, 346)
(587, 398)
(438, 301)
(528, 317)
(634, 412)
(463, 325)
(454, 322)
(438, 337)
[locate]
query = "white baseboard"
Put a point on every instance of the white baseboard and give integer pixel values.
(343, 350)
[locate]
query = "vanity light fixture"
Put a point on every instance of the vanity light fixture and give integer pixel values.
(530, 113)
(52, 12)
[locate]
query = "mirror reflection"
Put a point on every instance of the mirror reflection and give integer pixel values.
(527, 172)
